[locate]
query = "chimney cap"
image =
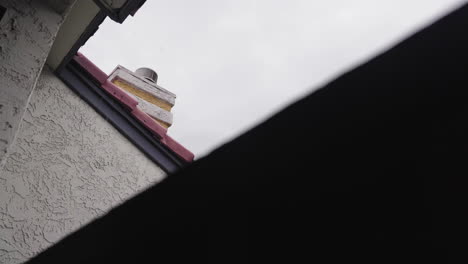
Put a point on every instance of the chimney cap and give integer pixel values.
(148, 74)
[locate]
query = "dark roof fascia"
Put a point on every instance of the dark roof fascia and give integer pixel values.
(130, 8)
(119, 15)
(88, 33)
(83, 84)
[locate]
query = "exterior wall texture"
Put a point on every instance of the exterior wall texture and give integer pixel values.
(27, 32)
(67, 166)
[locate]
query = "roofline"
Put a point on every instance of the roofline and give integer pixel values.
(119, 15)
(132, 106)
(160, 150)
(88, 33)
(120, 109)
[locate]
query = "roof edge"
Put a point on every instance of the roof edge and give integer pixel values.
(132, 105)
(120, 14)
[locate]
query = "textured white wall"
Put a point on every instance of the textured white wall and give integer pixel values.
(67, 166)
(26, 35)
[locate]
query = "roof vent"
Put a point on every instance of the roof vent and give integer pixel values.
(148, 74)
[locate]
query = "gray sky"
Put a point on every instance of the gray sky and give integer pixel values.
(233, 63)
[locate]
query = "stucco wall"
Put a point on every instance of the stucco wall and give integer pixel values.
(27, 32)
(68, 166)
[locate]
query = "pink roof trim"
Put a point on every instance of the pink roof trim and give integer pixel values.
(119, 94)
(97, 73)
(148, 122)
(177, 148)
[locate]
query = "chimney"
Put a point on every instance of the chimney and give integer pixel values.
(142, 85)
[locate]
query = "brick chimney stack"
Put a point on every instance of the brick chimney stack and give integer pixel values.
(142, 85)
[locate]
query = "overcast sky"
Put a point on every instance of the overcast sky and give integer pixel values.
(233, 63)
